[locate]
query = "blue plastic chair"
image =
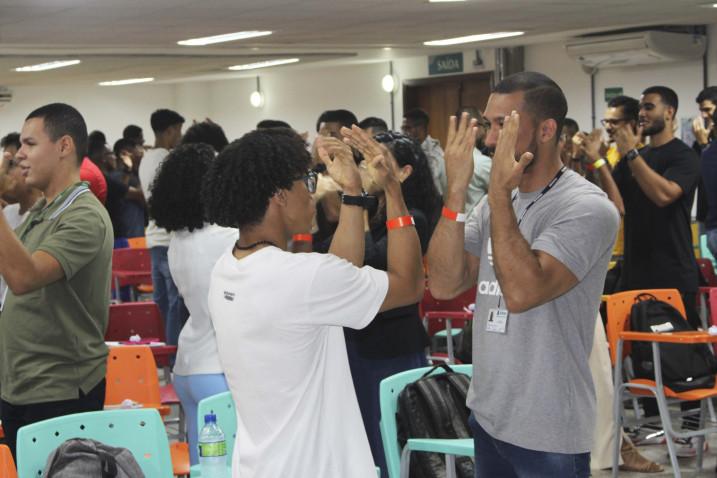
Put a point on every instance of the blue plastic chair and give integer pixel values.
(388, 399)
(222, 405)
(141, 431)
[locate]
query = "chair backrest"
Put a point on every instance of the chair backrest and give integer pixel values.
(129, 259)
(132, 373)
(141, 431)
(704, 250)
(708, 271)
(431, 304)
(132, 318)
(137, 242)
(7, 464)
(222, 405)
(389, 390)
(619, 306)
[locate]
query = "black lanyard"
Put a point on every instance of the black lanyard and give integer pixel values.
(542, 193)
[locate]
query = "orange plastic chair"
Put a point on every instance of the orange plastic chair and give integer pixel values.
(132, 374)
(179, 451)
(132, 318)
(7, 464)
(619, 337)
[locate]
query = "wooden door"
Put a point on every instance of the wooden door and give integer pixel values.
(442, 97)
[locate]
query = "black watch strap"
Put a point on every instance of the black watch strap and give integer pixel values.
(364, 200)
(632, 154)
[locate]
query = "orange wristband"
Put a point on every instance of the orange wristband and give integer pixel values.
(302, 238)
(399, 222)
(453, 215)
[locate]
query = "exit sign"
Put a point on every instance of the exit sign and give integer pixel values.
(442, 64)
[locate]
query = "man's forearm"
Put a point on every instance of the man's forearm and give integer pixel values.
(655, 187)
(516, 266)
(16, 264)
(446, 256)
(610, 187)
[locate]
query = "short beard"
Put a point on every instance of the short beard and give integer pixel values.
(533, 149)
(657, 128)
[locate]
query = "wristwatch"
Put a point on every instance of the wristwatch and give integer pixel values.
(364, 200)
(632, 154)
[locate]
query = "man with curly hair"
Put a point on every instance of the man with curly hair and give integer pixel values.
(278, 316)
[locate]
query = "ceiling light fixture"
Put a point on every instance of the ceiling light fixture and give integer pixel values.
(472, 38)
(263, 64)
(223, 38)
(51, 65)
(445, 1)
(129, 81)
(256, 99)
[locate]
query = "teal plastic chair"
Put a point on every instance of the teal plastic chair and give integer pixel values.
(388, 399)
(141, 431)
(704, 250)
(222, 405)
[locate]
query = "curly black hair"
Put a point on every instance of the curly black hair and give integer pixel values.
(419, 190)
(208, 133)
(175, 202)
(247, 173)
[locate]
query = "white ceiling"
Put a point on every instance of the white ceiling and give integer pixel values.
(118, 39)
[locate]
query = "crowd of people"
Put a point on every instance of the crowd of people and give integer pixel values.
(290, 274)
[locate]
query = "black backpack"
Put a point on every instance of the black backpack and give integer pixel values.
(684, 366)
(434, 406)
(86, 457)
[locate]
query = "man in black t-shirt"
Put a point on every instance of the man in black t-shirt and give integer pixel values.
(657, 185)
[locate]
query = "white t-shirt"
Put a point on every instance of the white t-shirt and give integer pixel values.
(192, 256)
(148, 167)
(278, 319)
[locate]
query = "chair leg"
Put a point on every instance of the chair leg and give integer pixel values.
(405, 462)
(617, 412)
(701, 438)
(450, 466)
(669, 434)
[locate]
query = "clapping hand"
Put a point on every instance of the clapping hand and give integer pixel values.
(380, 163)
(702, 134)
(340, 164)
(627, 139)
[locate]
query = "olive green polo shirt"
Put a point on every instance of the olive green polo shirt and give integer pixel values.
(52, 339)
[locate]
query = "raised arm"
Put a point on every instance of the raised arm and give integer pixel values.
(405, 268)
(451, 269)
(590, 146)
(348, 241)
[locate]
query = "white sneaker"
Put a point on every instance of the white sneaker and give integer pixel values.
(685, 447)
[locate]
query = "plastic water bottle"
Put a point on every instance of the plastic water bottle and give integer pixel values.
(212, 449)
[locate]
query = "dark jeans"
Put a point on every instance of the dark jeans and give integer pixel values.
(367, 374)
(15, 417)
(498, 459)
(165, 294)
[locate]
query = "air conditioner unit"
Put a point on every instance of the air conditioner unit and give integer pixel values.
(637, 48)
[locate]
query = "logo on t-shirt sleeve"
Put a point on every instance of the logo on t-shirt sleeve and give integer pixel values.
(229, 296)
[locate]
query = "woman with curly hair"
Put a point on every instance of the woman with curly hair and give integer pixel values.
(278, 316)
(194, 248)
(395, 340)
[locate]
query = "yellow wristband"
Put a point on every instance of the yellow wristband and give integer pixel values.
(597, 164)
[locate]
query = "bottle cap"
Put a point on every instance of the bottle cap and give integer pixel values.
(210, 418)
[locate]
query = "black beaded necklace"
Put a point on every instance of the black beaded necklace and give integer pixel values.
(253, 245)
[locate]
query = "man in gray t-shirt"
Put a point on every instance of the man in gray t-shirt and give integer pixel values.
(538, 246)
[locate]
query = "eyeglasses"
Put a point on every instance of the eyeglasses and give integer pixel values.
(612, 122)
(310, 180)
